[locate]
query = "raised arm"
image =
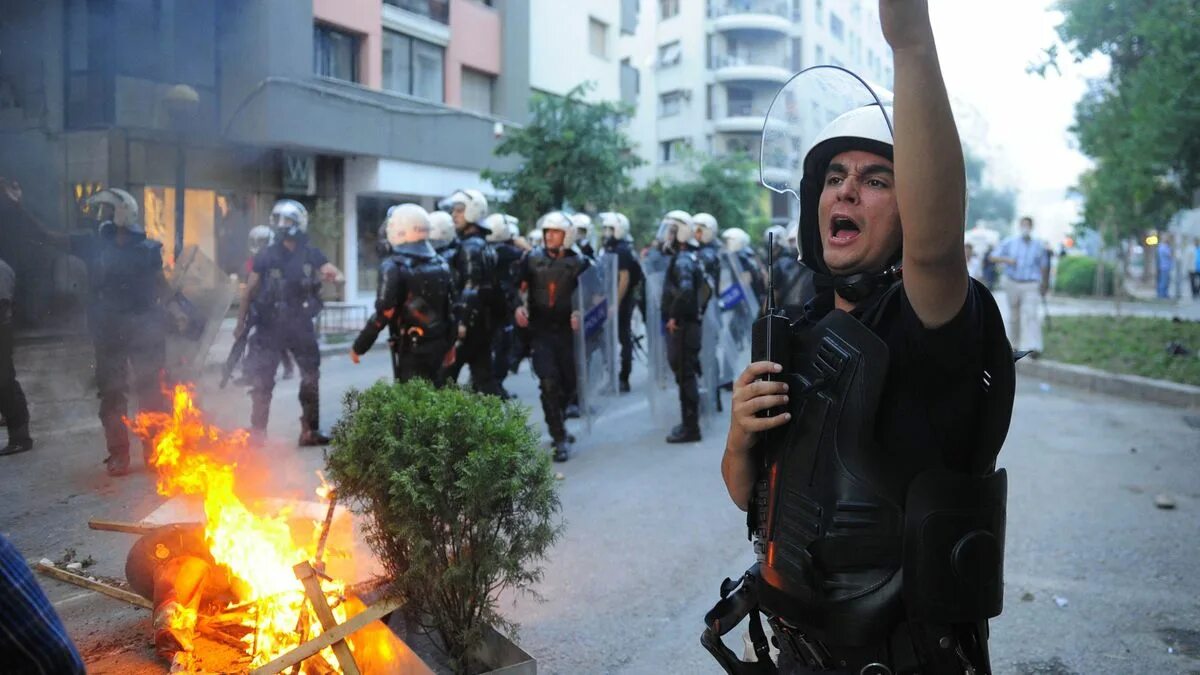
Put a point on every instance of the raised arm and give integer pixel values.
(930, 175)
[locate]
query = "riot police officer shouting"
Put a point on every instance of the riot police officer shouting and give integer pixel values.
(881, 543)
(629, 278)
(414, 301)
(682, 310)
(549, 275)
(474, 266)
(284, 289)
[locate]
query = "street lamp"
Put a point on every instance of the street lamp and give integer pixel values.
(181, 102)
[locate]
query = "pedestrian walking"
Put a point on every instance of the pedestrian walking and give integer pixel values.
(1026, 263)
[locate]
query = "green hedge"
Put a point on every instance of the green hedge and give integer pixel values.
(1077, 276)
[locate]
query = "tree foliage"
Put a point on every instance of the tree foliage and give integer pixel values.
(1141, 124)
(460, 499)
(571, 151)
(725, 186)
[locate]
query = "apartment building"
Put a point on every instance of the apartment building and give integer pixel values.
(701, 75)
(346, 105)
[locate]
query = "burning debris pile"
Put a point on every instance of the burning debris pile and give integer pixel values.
(236, 578)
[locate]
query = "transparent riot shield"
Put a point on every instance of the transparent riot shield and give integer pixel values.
(738, 307)
(596, 355)
(199, 297)
(809, 101)
(708, 378)
(660, 382)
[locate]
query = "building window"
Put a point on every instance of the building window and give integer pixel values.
(739, 102)
(670, 54)
(820, 13)
(335, 53)
(477, 91)
(412, 66)
(671, 103)
(797, 11)
(820, 59)
(438, 10)
(668, 8)
(631, 84)
(672, 150)
(598, 38)
(797, 54)
(836, 28)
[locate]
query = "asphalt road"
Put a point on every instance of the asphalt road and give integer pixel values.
(650, 533)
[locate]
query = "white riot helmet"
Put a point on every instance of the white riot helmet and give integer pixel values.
(557, 220)
(676, 228)
(617, 222)
(260, 237)
(475, 206)
(441, 226)
(776, 235)
(583, 226)
(865, 128)
(500, 227)
(706, 227)
(289, 218)
(535, 237)
(407, 224)
(793, 237)
(116, 206)
(736, 239)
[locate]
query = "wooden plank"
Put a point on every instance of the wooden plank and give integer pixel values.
(316, 597)
(78, 580)
(339, 632)
(119, 526)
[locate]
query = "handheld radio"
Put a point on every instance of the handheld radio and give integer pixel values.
(769, 337)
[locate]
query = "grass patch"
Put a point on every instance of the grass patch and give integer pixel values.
(1128, 345)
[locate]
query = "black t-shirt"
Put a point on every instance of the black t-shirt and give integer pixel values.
(933, 394)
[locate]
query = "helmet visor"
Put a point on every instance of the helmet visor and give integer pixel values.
(809, 101)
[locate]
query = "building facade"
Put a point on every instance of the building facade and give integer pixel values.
(345, 105)
(701, 75)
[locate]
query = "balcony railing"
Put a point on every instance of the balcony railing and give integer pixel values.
(742, 109)
(749, 59)
(437, 10)
(719, 8)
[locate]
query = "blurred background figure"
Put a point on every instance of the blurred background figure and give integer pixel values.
(1026, 263)
(13, 406)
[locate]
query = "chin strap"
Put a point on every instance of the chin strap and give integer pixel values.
(857, 287)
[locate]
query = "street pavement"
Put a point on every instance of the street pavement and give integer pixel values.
(1098, 580)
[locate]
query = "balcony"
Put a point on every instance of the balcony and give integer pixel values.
(743, 117)
(782, 167)
(751, 67)
(734, 15)
(435, 10)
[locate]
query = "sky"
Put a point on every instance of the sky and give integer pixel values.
(1022, 119)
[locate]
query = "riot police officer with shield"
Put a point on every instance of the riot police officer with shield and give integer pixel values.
(473, 263)
(549, 274)
(126, 317)
(864, 436)
(629, 282)
(707, 249)
(284, 290)
(414, 302)
(583, 234)
(682, 309)
(793, 280)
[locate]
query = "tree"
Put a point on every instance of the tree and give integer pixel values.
(1141, 124)
(572, 152)
(725, 186)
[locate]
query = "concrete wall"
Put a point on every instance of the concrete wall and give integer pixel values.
(474, 43)
(559, 55)
(363, 17)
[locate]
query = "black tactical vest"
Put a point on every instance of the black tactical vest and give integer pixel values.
(552, 286)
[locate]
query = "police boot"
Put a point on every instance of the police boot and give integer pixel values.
(684, 433)
(562, 450)
(310, 438)
(18, 441)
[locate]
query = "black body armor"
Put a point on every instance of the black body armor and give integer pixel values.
(415, 300)
(710, 259)
(552, 284)
(794, 285)
(684, 287)
(290, 286)
(474, 266)
(508, 255)
(852, 540)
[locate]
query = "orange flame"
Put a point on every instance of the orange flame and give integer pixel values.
(196, 458)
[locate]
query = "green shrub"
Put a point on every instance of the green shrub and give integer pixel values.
(1077, 276)
(460, 499)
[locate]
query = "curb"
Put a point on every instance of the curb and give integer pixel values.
(1101, 381)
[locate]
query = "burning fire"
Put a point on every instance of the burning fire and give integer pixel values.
(196, 458)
